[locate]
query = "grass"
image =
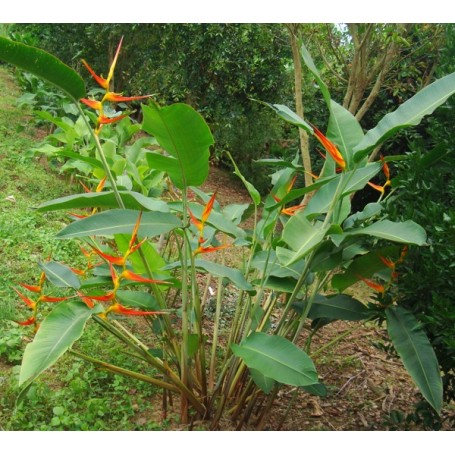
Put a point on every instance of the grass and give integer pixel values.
(72, 395)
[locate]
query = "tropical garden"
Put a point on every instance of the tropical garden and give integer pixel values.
(227, 227)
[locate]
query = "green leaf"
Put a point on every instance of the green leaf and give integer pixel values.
(60, 275)
(344, 130)
(409, 113)
(353, 181)
(277, 358)
(57, 333)
(137, 299)
(417, 354)
(43, 65)
(183, 133)
(302, 236)
(252, 191)
(401, 232)
(319, 389)
(219, 270)
(105, 199)
(152, 258)
(289, 116)
(236, 212)
(370, 210)
(340, 307)
(267, 263)
(263, 382)
(120, 221)
(366, 266)
(312, 67)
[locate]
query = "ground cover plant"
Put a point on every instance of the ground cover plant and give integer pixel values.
(144, 255)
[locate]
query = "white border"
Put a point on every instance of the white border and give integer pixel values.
(253, 11)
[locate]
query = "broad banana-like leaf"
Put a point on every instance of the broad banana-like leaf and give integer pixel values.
(121, 221)
(60, 275)
(276, 358)
(401, 232)
(182, 133)
(57, 333)
(417, 354)
(43, 65)
(342, 307)
(105, 199)
(407, 114)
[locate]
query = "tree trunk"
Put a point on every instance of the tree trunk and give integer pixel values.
(304, 142)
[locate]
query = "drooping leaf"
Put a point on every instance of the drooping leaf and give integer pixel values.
(409, 113)
(60, 329)
(370, 210)
(417, 354)
(105, 199)
(312, 67)
(219, 270)
(263, 382)
(183, 133)
(120, 221)
(252, 191)
(401, 232)
(43, 65)
(277, 358)
(60, 275)
(366, 266)
(137, 299)
(338, 307)
(236, 212)
(289, 116)
(319, 389)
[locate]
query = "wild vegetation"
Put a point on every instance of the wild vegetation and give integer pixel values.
(154, 246)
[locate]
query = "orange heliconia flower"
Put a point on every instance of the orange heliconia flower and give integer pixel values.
(103, 120)
(29, 321)
(372, 284)
(29, 302)
(129, 275)
(330, 147)
(290, 211)
(208, 249)
(36, 289)
(108, 96)
(200, 226)
(118, 308)
(386, 170)
(118, 98)
(93, 104)
(387, 262)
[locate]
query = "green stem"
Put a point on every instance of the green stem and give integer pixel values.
(101, 154)
(124, 372)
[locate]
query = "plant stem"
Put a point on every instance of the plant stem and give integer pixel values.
(124, 372)
(102, 156)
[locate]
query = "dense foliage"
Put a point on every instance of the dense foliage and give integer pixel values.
(216, 68)
(426, 193)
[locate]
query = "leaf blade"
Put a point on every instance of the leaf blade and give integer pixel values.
(44, 65)
(417, 354)
(61, 328)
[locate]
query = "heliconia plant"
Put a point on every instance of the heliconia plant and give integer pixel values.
(148, 257)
